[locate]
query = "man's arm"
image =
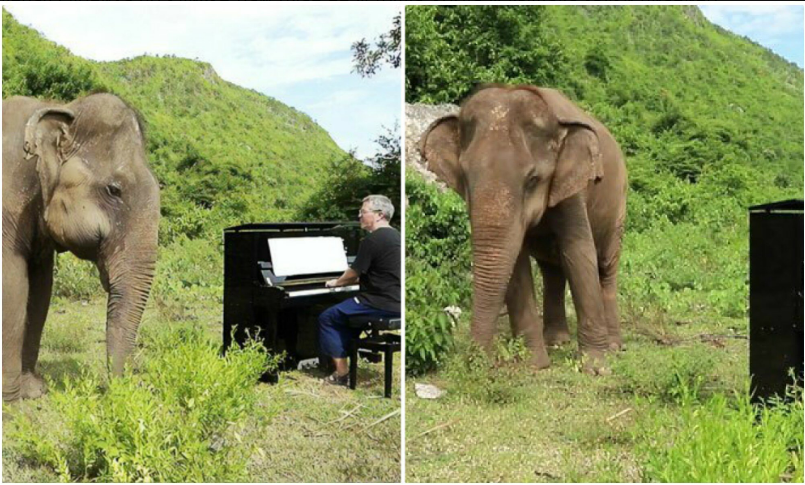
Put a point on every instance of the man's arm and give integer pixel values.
(350, 277)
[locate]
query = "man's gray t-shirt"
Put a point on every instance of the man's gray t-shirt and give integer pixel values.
(378, 264)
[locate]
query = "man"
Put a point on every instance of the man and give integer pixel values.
(377, 267)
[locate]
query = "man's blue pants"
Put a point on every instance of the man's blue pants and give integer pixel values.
(334, 332)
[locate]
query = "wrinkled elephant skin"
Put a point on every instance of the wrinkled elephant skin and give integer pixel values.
(75, 178)
(542, 179)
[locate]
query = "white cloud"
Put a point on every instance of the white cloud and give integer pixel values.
(777, 27)
(272, 47)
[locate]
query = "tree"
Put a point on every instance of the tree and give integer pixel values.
(368, 60)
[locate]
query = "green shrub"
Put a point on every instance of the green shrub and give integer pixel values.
(677, 374)
(437, 272)
(727, 440)
(176, 420)
(489, 379)
(75, 279)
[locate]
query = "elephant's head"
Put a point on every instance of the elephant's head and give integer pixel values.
(101, 202)
(511, 153)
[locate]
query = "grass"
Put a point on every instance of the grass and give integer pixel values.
(298, 430)
(501, 421)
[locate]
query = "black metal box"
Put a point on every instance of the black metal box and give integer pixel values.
(775, 296)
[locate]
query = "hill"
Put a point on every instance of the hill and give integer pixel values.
(224, 155)
(710, 122)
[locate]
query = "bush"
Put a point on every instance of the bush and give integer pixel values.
(74, 278)
(489, 379)
(437, 272)
(675, 375)
(175, 421)
(728, 440)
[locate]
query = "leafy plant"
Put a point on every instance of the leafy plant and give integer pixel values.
(727, 439)
(176, 420)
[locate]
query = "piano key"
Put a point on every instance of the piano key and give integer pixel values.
(322, 291)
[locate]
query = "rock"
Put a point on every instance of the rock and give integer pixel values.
(428, 391)
(418, 118)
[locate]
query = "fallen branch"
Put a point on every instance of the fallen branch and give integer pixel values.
(345, 416)
(389, 415)
(618, 415)
(297, 393)
(715, 336)
(443, 425)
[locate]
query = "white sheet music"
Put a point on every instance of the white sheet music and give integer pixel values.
(293, 256)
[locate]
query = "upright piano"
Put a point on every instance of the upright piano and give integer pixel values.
(274, 283)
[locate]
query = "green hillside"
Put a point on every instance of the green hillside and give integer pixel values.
(710, 122)
(224, 155)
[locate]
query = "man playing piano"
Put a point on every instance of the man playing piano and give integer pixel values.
(377, 267)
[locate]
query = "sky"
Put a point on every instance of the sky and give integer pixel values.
(298, 54)
(777, 27)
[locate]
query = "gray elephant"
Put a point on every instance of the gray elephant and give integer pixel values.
(75, 178)
(540, 178)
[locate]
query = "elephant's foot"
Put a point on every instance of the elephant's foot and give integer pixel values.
(32, 386)
(616, 345)
(539, 358)
(556, 337)
(594, 363)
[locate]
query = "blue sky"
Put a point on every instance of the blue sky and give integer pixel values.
(297, 53)
(300, 53)
(777, 27)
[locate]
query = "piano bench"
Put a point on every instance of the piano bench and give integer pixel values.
(375, 342)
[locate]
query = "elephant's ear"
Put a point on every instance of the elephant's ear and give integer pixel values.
(48, 137)
(439, 147)
(579, 160)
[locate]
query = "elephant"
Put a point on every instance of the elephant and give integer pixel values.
(541, 178)
(75, 178)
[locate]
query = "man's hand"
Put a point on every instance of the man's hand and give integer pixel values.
(331, 283)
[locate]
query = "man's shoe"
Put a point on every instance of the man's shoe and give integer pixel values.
(336, 380)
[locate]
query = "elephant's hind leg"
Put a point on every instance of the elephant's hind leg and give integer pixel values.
(523, 315)
(554, 281)
(41, 287)
(608, 261)
(15, 298)
(609, 292)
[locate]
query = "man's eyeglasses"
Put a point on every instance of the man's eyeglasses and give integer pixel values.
(362, 212)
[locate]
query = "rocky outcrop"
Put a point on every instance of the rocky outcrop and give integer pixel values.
(418, 118)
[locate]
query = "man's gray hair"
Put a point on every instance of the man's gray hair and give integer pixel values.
(380, 203)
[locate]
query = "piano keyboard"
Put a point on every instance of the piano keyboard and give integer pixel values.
(322, 291)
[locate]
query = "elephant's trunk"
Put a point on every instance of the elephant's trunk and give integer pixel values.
(497, 237)
(130, 273)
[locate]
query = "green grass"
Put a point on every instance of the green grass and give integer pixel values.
(501, 421)
(185, 414)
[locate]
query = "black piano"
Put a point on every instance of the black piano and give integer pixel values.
(274, 277)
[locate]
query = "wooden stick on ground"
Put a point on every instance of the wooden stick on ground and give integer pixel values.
(443, 425)
(618, 415)
(389, 415)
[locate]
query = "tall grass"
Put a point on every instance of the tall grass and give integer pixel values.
(174, 419)
(728, 440)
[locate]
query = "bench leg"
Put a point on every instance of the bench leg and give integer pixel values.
(389, 361)
(353, 364)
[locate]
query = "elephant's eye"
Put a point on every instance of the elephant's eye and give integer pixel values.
(114, 190)
(532, 182)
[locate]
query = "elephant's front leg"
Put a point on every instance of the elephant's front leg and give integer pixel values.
(580, 265)
(41, 286)
(523, 316)
(554, 281)
(15, 298)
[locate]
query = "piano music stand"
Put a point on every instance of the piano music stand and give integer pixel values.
(375, 342)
